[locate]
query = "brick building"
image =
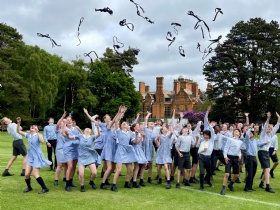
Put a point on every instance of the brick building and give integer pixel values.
(184, 97)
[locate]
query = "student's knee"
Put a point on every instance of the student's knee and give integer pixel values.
(226, 175)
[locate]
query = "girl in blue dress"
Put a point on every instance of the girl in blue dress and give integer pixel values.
(87, 156)
(148, 145)
(35, 157)
(138, 145)
(70, 150)
(125, 153)
(163, 156)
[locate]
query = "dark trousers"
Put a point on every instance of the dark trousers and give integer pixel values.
(204, 163)
(251, 167)
(52, 150)
(214, 158)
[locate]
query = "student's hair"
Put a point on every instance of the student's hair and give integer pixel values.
(105, 116)
(181, 131)
(270, 126)
(132, 127)
(236, 129)
(2, 121)
(207, 132)
(50, 118)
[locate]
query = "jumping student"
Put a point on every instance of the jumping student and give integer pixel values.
(232, 155)
(125, 153)
(18, 146)
(148, 145)
(267, 133)
(163, 156)
(183, 147)
(61, 161)
(87, 155)
(251, 160)
(35, 157)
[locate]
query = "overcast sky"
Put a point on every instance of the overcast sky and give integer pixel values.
(60, 19)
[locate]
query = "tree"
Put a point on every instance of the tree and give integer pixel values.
(245, 72)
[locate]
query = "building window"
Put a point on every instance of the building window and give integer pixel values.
(177, 108)
(177, 100)
(186, 100)
(186, 108)
(182, 93)
(167, 111)
(167, 99)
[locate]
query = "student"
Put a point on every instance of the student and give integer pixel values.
(156, 131)
(267, 133)
(51, 141)
(70, 150)
(232, 155)
(251, 160)
(148, 145)
(125, 153)
(35, 157)
(163, 156)
(272, 153)
(61, 161)
(18, 147)
(138, 144)
(183, 147)
(217, 149)
(87, 155)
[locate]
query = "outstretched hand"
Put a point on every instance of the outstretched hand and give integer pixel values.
(85, 111)
(18, 120)
(208, 108)
(246, 114)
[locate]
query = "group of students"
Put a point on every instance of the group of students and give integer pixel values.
(134, 145)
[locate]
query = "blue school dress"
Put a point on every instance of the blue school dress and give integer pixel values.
(163, 155)
(148, 145)
(59, 147)
(35, 156)
(139, 150)
(110, 145)
(125, 152)
(70, 147)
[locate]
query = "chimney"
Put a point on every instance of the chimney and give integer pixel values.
(142, 88)
(147, 89)
(176, 86)
(159, 83)
(195, 89)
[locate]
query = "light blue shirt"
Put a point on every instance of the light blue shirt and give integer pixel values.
(232, 147)
(12, 130)
(50, 132)
(210, 147)
(274, 143)
(251, 144)
(267, 137)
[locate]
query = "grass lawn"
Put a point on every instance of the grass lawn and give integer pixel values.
(149, 197)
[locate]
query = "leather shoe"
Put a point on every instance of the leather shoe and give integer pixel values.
(223, 192)
(7, 174)
(55, 182)
(72, 185)
(43, 191)
(247, 190)
(231, 187)
(114, 189)
(103, 187)
(268, 189)
(27, 190)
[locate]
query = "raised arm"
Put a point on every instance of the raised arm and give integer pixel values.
(264, 129)
(136, 119)
(196, 130)
(173, 118)
(205, 121)
(18, 127)
(247, 118)
(276, 127)
(146, 119)
(89, 117)
(98, 132)
(60, 121)
(181, 120)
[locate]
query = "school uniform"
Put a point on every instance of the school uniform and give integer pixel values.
(100, 141)
(184, 144)
(243, 150)
(110, 144)
(163, 155)
(217, 152)
(87, 155)
(194, 150)
(139, 149)
(70, 147)
(156, 132)
(273, 147)
(205, 158)
(59, 147)
(125, 152)
(263, 152)
(148, 145)
(18, 144)
(51, 137)
(251, 161)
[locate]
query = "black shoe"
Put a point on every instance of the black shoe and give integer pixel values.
(7, 174)
(156, 178)
(22, 174)
(93, 186)
(237, 181)
(64, 179)
(231, 187)
(114, 189)
(247, 190)
(142, 183)
(168, 186)
(202, 188)
(187, 183)
(271, 174)
(223, 192)
(269, 189)
(171, 178)
(210, 184)
(135, 185)
(107, 182)
(82, 189)
(27, 190)
(72, 185)
(178, 185)
(262, 175)
(197, 181)
(192, 180)
(103, 187)
(261, 185)
(217, 169)
(127, 186)
(55, 182)
(68, 189)
(252, 189)
(150, 181)
(159, 182)
(43, 191)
